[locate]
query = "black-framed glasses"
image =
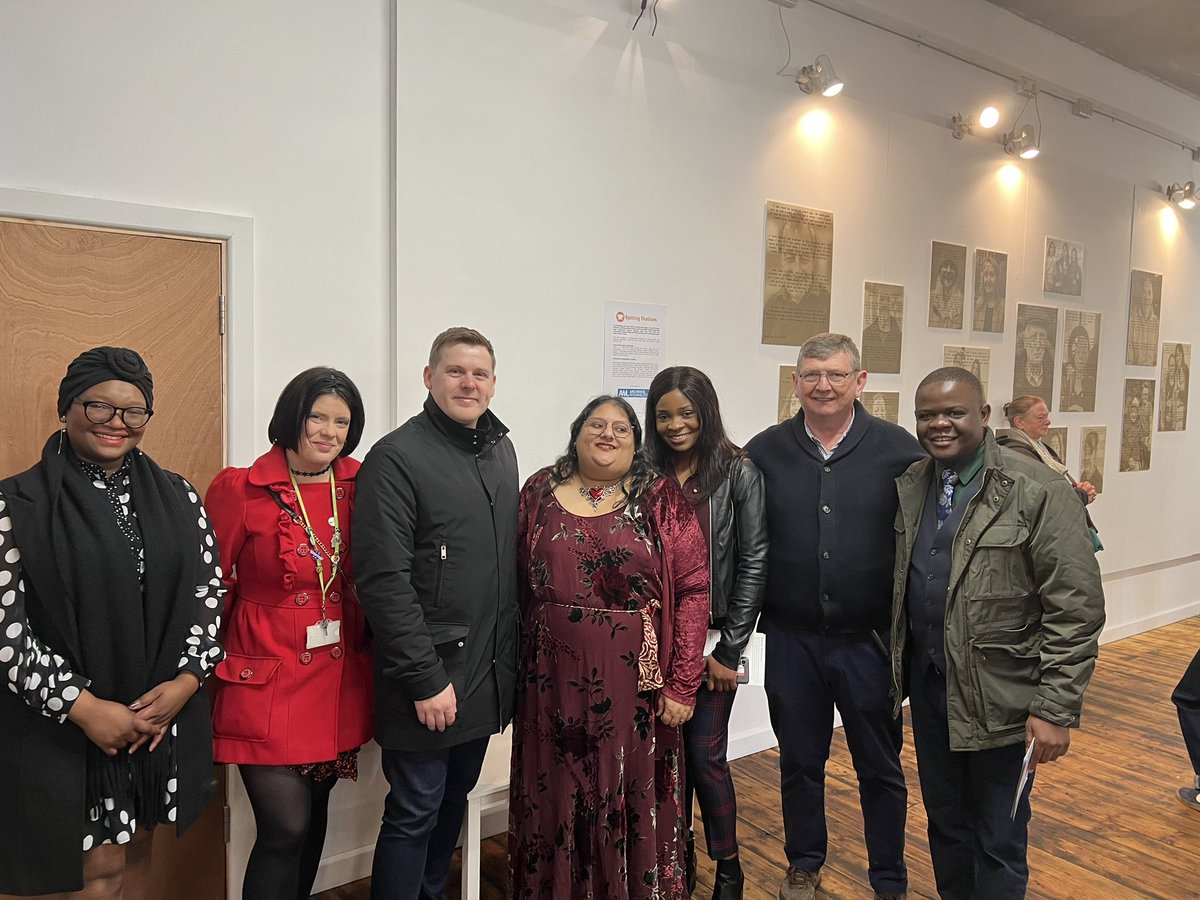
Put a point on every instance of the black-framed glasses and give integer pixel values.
(837, 379)
(619, 429)
(100, 413)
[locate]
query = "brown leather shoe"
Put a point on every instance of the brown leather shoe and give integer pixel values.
(799, 884)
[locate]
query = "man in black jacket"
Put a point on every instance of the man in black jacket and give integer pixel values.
(831, 504)
(435, 560)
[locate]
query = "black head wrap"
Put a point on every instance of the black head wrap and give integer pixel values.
(104, 364)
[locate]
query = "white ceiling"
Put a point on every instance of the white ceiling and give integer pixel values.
(1159, 38)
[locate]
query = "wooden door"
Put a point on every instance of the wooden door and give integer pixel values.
(64, 289)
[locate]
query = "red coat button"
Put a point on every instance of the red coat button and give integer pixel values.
(305, 658)
(335, 597)
(341, 493)
(245, 674)
(301, 598)
(302, 550)
(336, 652)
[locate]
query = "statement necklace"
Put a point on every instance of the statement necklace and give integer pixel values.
(596, 495)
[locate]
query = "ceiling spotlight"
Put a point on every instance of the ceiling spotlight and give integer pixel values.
(960, 125)
(819, 78)
(1021, 143)
(1183, 195)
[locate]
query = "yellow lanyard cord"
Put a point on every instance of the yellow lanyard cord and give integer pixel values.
(316, 548)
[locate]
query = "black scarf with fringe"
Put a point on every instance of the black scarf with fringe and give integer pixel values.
(87, 604)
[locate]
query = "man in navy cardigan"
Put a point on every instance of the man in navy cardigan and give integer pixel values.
(831, 506)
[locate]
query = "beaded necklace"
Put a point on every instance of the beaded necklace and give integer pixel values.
(319, 551)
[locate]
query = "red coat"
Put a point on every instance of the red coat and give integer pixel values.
(278, 701)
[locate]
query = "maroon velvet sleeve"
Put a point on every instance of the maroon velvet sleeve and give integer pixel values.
(687, 560)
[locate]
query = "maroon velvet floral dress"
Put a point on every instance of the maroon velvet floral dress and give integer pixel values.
(614, 609)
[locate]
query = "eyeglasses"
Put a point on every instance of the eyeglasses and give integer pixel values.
(598, 426)
(99, 413)
(835, 379)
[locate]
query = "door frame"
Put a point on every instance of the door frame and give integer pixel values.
(237, 232)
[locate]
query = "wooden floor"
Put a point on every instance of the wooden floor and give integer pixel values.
(1106, 822)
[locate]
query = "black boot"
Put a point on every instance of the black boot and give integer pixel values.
(689, 865)
(729, 880)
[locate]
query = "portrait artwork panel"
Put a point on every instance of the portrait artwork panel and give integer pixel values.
(1092, 441)
(797, 273)
(991, 291)
(976, 360)
(1063, 271)
(789, 403)
(883, 317)
(1173, 387)
(1080, 356)
(1137, 419)
(1145, 302)
(1033, 367)
(947, 280)
(883, 405)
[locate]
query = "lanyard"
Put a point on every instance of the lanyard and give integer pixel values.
(317, 550)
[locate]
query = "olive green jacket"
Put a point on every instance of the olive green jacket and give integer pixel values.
(1024, 607)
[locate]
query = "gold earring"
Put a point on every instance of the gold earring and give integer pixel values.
(60, 440)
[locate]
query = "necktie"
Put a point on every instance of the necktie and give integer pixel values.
(946, 498)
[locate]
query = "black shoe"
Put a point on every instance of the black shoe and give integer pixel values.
(729, 880)
(689, 865)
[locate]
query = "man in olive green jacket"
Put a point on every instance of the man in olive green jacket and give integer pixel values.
(996, 613)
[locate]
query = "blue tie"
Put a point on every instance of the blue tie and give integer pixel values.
(946, 498)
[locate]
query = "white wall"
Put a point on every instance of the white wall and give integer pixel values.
(559, 160)
(548, 159)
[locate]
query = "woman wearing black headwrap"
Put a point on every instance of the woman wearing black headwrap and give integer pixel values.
(110, 596)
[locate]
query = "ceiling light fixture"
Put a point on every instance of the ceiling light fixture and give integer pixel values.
(986, 118)
(1183, 195)
(819, 78)
(1021, 143)
(1025, 142)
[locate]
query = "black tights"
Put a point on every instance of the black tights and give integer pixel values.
(290, 812)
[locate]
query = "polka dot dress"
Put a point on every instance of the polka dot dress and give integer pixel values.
(44, 680)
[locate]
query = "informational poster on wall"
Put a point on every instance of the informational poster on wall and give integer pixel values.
(797, 273)
(635, 347)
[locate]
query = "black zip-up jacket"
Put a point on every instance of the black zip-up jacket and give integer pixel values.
(738, 557)
(829, 567)
(435, 561)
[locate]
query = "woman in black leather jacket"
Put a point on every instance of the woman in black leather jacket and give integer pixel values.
(686, 439)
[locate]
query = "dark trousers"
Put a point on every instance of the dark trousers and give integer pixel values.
(706, 747)
(1187, 703)
(978, 851)
(806, 674)
(422, 816)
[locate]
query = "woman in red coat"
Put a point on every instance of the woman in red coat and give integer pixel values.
(293, 703)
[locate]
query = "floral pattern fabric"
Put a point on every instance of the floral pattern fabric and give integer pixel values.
(610, 604)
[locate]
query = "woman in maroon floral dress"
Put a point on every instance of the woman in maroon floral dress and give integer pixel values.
(615, 609)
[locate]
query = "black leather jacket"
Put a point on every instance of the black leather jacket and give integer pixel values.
(737, 557)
